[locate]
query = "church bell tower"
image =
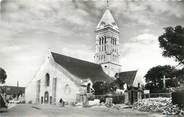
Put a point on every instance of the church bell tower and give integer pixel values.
(107, 44)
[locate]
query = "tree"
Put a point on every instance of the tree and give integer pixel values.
(172, 43)
(154, 76)
(3, 76)
(100, 87)
(180, 75)
(118, 83)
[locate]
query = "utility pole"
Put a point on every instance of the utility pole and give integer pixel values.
(17, 89)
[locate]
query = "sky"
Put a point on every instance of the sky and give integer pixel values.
(30, 28)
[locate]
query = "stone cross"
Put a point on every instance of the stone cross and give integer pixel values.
(164, 81)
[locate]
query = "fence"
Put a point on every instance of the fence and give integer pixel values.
(116, 99)
(129, 97)
(155, 95)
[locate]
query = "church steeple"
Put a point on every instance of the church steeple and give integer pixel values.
(107, 43)
(107, 20)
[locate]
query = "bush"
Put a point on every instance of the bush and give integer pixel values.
(178, 98)
(118, 99)
(158, 90)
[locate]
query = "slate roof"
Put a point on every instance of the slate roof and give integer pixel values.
(80, 68)
(107, 19)
(128, 77)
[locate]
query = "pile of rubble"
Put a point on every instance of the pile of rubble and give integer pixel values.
(161, 105)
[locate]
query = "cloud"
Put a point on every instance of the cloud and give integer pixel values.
(144, 53)
(10, 48)
(44, 10)
(28, 28)
(139, 42)
(145, 38)
(147, 12)
(170, 8)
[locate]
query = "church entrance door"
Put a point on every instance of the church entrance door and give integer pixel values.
(46, 97)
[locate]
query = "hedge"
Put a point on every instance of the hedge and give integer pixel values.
(178, 98)
(116, 99)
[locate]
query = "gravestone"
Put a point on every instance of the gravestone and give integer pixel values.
(108, 102)
(85, 100)
(126, 98)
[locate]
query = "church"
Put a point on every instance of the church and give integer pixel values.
(64, 77)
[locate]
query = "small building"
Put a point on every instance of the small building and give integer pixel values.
(131, 78)
(12, 91)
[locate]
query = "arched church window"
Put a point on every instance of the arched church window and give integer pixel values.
(112, 41)
(102, 40)
(47, 79)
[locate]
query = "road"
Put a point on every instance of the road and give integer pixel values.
(28, 110)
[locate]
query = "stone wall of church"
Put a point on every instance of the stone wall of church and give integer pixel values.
(66, 89)
(30, 92)
(60, 85)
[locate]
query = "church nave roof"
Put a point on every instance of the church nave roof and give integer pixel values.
(80, 68)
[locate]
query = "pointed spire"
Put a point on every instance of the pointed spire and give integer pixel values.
(107, 20)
